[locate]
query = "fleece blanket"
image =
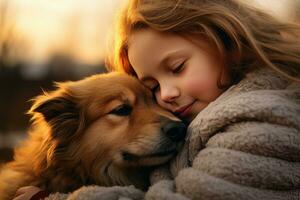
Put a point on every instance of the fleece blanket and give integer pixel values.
(244, 145)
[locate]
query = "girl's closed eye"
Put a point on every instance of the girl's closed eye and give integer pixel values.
(179, 68)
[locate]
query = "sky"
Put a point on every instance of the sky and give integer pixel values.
(78, 27)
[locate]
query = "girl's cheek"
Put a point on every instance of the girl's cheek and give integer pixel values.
(203, 88)
(196, 85)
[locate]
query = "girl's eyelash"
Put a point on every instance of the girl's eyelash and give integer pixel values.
(179, 68)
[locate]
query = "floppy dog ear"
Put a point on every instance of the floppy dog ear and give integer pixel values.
(60, 112)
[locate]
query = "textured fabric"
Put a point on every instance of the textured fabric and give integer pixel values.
(244, 145)
(100, 193)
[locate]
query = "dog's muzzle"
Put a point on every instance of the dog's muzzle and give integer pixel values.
(174, 130)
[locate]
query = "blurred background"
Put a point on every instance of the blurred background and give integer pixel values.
(42, 41)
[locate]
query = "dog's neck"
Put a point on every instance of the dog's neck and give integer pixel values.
(67, 175)
(66, 181)
(70, 178)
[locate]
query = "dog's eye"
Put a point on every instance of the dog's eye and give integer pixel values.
(122, 110)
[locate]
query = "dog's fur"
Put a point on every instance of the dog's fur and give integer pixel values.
(105, 130)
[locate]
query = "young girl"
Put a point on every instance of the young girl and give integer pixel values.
(233, 73)
(189, 52)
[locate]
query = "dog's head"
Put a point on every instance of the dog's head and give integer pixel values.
(106, 121)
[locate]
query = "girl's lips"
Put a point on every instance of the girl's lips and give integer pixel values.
(183, 111)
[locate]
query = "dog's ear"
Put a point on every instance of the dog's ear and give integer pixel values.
(60, 112)
(53, 107)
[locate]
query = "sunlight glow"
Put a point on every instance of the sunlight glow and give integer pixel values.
(77, 27)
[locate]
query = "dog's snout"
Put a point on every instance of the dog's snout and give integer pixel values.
(174, 130)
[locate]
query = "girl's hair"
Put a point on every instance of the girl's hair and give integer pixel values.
(245, 37)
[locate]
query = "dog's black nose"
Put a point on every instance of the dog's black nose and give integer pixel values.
(174, 130)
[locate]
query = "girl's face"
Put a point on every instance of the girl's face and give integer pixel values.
(181, 73)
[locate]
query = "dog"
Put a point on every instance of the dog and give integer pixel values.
(105, 129)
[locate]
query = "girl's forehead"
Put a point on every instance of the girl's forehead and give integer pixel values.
(151, 39)
(147, 38)
(148, 46)
(142, 42)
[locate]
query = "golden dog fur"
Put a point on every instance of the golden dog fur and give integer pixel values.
(104, 130)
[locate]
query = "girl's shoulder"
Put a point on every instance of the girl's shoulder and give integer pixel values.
(262, 79)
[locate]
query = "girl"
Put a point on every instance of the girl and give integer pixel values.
(233, 73)
(231, 70)
(200, 48)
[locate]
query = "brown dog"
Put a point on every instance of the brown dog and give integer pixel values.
(105, 130)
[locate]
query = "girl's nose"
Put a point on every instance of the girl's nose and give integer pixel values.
(169, 93)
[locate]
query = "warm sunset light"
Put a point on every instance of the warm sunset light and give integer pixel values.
(155, 99)
(76, 27)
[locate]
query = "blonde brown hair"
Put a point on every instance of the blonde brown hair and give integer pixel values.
(245, 37)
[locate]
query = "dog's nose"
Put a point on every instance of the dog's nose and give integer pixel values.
(174, 130)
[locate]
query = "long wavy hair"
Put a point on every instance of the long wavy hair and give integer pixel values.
(245, 37)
